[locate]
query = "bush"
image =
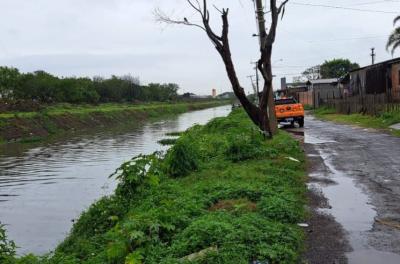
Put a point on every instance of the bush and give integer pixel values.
(244, 147)
(282, 207)
(138, 173)
(7, 247)
(182, 158)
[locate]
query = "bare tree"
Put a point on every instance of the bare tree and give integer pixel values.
(262, 115)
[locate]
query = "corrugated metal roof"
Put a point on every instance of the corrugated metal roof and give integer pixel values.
(320, 81)
(395, 60)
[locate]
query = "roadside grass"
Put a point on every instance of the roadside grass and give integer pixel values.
(221, 194)
(382, 121)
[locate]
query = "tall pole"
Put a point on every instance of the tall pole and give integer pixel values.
(257, 82)
(373, 55)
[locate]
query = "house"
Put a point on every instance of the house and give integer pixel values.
(324, 89)
(291, 89)
(226, 95)
(380, 78)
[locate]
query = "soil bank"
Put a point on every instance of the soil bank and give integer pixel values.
(35, 126)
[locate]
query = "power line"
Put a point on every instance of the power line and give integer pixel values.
(344, 8)
(375, 2)
(344, 39)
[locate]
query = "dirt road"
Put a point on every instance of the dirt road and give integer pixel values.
(355, 194)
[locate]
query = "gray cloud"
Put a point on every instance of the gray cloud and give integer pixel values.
(104, 37)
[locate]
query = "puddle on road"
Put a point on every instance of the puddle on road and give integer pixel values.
(352, 209)
(316, 140)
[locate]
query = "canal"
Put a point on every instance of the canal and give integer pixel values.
(45, 186)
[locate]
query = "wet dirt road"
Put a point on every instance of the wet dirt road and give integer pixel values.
(355, 194)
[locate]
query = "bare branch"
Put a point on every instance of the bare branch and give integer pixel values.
(219, 10)
(282, 6)
(161, 17)
(198, 8)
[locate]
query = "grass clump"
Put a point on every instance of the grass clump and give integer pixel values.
(197, 204)
(381, 121)
(167, 141)
(174, 134)
(183, 158)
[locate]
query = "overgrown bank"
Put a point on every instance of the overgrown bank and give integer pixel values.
(221, 194)
(29, 126)
(382, 121)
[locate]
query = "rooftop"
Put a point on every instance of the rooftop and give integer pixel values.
(395, 60)
(320, 81)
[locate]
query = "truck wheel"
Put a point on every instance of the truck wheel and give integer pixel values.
(292, 124)
(301, 122)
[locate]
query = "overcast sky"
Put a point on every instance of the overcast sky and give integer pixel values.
(105, 37)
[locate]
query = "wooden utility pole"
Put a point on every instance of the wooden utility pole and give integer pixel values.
(373, 55)
(253, 85)
(257, 83)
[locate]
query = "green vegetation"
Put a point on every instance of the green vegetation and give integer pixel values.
(167, 141)
(174, 134)
(54, 120)
(221, 194)
(41, 87)
(308, 107)
(85, 109)
(393, 42)
(382, 121)
(334, 68)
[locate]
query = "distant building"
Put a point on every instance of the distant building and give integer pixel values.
(291, 89)
(226, 95)
(312, 92)
(325, 89)
(194, 96)
(214, 93)
(380, 78)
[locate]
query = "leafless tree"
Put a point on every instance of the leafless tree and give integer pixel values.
(262, 115)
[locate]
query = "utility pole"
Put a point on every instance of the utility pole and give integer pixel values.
(373, 55)
(257, 82)
(254, 87)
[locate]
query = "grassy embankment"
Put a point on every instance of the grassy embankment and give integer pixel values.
(54, 120)
(221, 194)
(383, 121)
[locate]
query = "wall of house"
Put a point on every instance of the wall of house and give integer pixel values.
(306, 98)
(395, 78)
(357, 82)
(324, 92)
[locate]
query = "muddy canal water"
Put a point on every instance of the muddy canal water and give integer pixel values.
(44, 187)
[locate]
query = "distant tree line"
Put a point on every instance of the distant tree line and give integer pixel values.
(43, 87)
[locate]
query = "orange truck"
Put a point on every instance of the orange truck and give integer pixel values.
(290, 111)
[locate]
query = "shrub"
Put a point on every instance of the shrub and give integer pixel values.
(140, 172)
(246, 146)
(182, 158)
(7, 247)
(283, 207)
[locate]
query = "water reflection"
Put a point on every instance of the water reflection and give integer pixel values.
(46, 185)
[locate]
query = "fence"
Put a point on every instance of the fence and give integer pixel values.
(306, 98)
(371, 104)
